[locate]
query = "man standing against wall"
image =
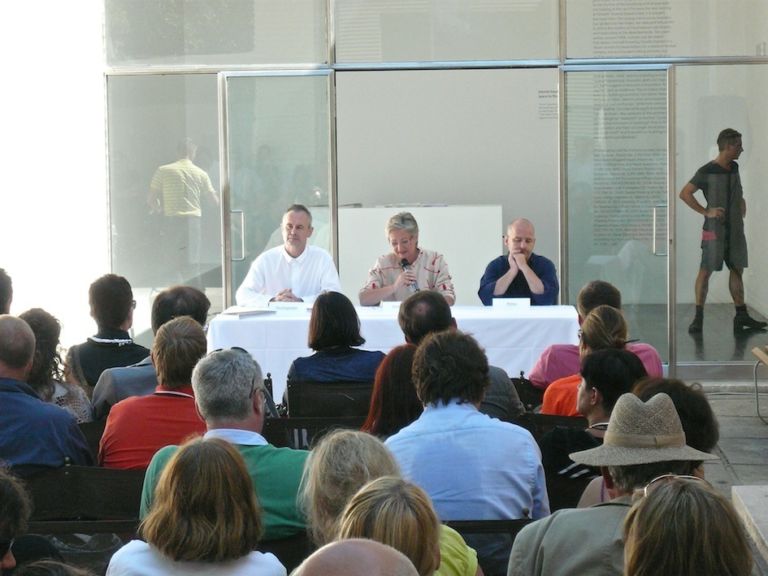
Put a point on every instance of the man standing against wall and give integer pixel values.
(722, 236)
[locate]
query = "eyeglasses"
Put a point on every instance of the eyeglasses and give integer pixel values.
(666, 478)
(5, 547)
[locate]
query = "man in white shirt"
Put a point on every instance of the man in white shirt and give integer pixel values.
(293, 272)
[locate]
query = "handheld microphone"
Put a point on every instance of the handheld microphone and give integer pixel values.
(405, 266)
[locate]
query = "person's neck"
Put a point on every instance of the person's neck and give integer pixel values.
(724, 161)
(19, 374)
(248, 424)
(294, 252)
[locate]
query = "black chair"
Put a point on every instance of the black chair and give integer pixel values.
(492, 539)
(540, 424)
(530, 396)
(300, 432)
(93, 432)
(328, 399)
(291, 551)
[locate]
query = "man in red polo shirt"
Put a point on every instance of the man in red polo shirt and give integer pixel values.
(139, 426)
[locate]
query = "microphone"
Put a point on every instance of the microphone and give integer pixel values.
(405, 266)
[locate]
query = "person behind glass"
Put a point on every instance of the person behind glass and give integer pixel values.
(683, 526)
(205, 519)
(334, 330)
(406, 269)
(394, 403)
(521, 273)
(293, 272)
(46, 376)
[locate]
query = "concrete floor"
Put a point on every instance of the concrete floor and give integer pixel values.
(743, 446)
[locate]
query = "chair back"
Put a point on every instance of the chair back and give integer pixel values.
(328, 399)
(300, 432)
(540, 424)
(530, 396)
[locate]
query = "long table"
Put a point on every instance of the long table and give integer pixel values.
(513, 338)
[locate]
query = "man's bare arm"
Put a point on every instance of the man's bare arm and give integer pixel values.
(687, 196)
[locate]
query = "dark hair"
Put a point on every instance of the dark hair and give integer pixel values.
(49, 568)
(178, 345)
(111, 301)
(597, 293)
(727, 136)
(450, 365)
(46, 364)
(612, 372)
(6, 291)
(699, 422)
(179, 301)
(299, 208)
(422, 313)
(15, 505)
(334, 322)
(394, 403)
(604, 327)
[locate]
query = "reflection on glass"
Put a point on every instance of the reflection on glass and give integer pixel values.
(616, 185)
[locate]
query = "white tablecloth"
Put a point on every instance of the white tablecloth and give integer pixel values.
(513, 338)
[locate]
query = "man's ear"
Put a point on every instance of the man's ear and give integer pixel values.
(258, 402)
(309, 231)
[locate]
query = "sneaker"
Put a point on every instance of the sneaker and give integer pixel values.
(745, 322)
(696, 326)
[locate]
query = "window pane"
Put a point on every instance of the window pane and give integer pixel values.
(430, 30)
(215, 32)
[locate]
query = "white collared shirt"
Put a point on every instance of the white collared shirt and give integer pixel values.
(237, 436)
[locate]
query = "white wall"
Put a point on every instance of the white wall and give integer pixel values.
(53, 232)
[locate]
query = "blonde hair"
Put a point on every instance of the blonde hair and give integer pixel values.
(604, 327)
(398, 514)
(205, 507)
(337, 467)
(686, 528)
(402, 221)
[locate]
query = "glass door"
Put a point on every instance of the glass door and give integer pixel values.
(616, 190)
(276, 150)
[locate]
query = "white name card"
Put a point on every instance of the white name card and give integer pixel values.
(511, 302)
(389, 305)
(289, 306)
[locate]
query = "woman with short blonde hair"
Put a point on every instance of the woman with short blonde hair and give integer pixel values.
(204, 519)
(398, 514)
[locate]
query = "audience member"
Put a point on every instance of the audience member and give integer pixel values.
(398, 514)
(46, 376)
(112, 305)
(424, 313)
(343, 462)
(406, 269)
(394, 403)
(293, 272)
(6, 292)
(33, 433)
(138, 427)
(604, 328)
(205, 519)
(140, 379)
(15, 509)
(356, 558)
(643, 441)
(334, 330)
(505, 482)
(229, 394)
(521, 273)
(561, 360)
(50, 568)
(684, 527)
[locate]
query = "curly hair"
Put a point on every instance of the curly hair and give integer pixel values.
(46, 364)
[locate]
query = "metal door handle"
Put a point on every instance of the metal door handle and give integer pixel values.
(242, 235)
(653, 233)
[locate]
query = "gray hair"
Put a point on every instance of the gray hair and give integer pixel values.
(223, 382)
(627, 479)
(402, 221)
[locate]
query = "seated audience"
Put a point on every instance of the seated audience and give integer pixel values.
(696, 415)
(112, 304)
(230, 396)
(643, 440)
(394, 403)
(6, 292)
(425, 313)
(398, 514)
(205, 519)
(561, 360)
(605, 376)
(343, 462)
(408, 268)
(451, 375)
(603, 329)
(33, 433)
(138, 427)
(686, 528)
(50, 568)
(521, 273)
(140, 379)
(15, 509)
(356, 558)
(46, 377)
(334, 331)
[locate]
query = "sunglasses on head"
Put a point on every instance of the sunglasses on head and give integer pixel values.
(666, 478)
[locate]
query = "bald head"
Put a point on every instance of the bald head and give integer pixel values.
(17, 347)
(356, 557)
(521, 237)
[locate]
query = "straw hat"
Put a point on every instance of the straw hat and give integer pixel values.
(641, 433)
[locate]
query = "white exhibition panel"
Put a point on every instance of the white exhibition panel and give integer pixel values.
(513, 338)
(468, 236)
